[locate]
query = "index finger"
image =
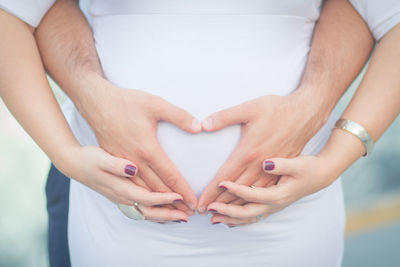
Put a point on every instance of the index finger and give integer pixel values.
(230, 171)
(170, 175)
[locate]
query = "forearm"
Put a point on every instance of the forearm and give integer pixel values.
(26, 92)
(375, 105)
(331, 68)
(66, 43)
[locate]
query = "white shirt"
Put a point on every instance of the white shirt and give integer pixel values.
(30, 11)
(380, 15)
(203, 56)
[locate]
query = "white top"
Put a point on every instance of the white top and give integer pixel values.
(30, 11)
(204, 55)
(380, 15)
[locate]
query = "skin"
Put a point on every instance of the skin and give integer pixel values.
(375, 105)
(67, 47)
(69, 55)
(25, 90)
(329, 71)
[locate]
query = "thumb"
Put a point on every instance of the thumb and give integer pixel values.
(226, 117)
(280, 166)
(118, 166)
(179, 117)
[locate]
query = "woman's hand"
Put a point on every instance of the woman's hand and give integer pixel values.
(272, 126)
(125, 123)
(113, 178)
(299, 177)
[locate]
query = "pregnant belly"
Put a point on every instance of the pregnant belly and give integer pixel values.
(202, 63)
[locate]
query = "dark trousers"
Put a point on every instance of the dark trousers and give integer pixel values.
(57, 193)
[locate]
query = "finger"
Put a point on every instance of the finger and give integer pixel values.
(172, 178)
(223, 118)
(139, 181)
(261, 182)
(247, 178)
(126, 189)
(177, 116)
(272, 195)
(230, 171)
(230, 221)
(281, 166)
(161, 214)
(237, 211)
(157, 185)
(117, 166)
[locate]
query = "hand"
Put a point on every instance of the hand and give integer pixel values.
(125, 123)
(106, 174)
(271, 126)
(300, 177)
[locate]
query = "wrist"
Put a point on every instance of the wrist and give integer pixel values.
(67, 159)
(310, 109)
(92, 93)
(311, 99)
(340, 152)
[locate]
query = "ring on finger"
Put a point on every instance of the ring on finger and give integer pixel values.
(132, 212)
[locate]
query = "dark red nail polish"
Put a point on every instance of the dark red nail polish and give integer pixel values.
(177, 221)
(215, 222)
(269, 165)
(182, 220)
(178, 200)
(130, 170)
(223, 187)
(212, 210)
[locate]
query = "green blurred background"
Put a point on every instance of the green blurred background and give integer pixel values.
(371, 185)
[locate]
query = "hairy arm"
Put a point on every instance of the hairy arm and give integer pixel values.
(68, 49)
(329, 71)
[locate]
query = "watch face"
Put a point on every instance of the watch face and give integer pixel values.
(131, 212)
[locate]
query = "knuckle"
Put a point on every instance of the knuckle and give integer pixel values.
(160, 189)
(251, 156)
(171, 180)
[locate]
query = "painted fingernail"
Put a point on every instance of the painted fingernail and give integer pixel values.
(130, 170)
(215, 222)
(223, 187)
(178, 200)
(269, 165)
(177, 221)
(212, 210)
(196, 125)
(207, 123)
(182, 220)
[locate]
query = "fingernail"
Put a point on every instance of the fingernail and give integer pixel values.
(192, 206)
(212, 210)
(269, 165)
(130, 170)
(196, 125)
(182, 220)
(178, 200)
(215, 222)
(207, 123)
(223, 187)
(177, 221)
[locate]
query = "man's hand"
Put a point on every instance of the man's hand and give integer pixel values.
(125, 123)
(271, 126)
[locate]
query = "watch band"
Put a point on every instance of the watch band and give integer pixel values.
(358, 131)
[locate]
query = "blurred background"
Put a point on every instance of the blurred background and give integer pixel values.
(371, 186)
